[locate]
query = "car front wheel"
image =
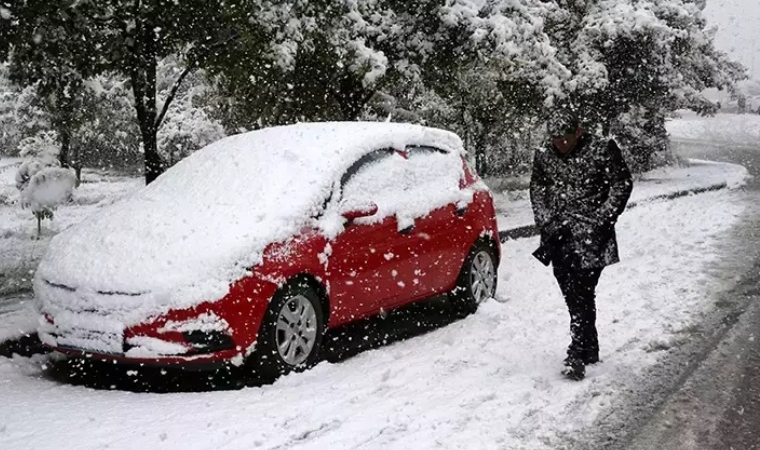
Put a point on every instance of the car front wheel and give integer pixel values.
(291, 334)
(477, 279)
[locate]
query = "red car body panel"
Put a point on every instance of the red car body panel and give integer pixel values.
(366, 269)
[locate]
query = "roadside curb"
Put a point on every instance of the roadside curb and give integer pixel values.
(532, 230)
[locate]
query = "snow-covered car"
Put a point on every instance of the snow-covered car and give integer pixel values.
(247, 250)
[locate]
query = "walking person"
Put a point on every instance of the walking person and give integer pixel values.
(579, 186)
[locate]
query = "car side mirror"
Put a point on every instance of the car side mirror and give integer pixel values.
(364, 211)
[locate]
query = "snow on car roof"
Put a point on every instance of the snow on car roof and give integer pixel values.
(206, 221)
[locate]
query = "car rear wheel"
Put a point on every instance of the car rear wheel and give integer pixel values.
(291, 334)
(477, 279)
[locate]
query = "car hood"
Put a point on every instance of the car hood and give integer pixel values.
(145, 246)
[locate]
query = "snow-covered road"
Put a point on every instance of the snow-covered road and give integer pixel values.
(488, 381)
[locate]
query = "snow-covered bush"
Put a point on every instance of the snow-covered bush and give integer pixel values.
(20, 113)
(43, 185)
(42, 147)
(748, 93)
(643, 138)
(46, 189)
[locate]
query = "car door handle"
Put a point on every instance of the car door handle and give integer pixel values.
(406, 230)
(461, 211)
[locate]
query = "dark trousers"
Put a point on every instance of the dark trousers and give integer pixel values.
(579, 289)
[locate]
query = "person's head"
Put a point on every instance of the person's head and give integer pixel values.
(565, 130)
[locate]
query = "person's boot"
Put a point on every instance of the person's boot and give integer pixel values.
(587, 357)
(574, 369)
(591, 354)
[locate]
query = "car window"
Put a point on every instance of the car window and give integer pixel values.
(408, 185)
(364, 162)
(374, 178)
(432, 174)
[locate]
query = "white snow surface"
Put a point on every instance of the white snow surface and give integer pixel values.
(205, 223)
(490, 381)
(736, 129)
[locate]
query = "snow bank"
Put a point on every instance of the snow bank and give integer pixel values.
(205, 222)
(739, 129)
(697, 174)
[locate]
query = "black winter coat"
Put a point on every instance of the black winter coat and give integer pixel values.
(577, 199)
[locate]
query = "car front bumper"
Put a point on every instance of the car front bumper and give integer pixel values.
(209, 361)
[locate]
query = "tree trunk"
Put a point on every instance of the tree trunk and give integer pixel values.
(76, 163)
(143, 78)
(481, 160)
(63, 156)
(154, 165)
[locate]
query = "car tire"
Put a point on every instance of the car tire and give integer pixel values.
(477, 279)
(290, 336)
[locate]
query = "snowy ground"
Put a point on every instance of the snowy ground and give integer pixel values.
(17, 316)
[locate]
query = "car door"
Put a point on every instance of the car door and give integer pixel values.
(364, 261)
(437, 174)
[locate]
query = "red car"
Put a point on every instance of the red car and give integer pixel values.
(248, 250)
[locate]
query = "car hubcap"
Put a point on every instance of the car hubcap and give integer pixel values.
(482, 277)
(296, 330)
